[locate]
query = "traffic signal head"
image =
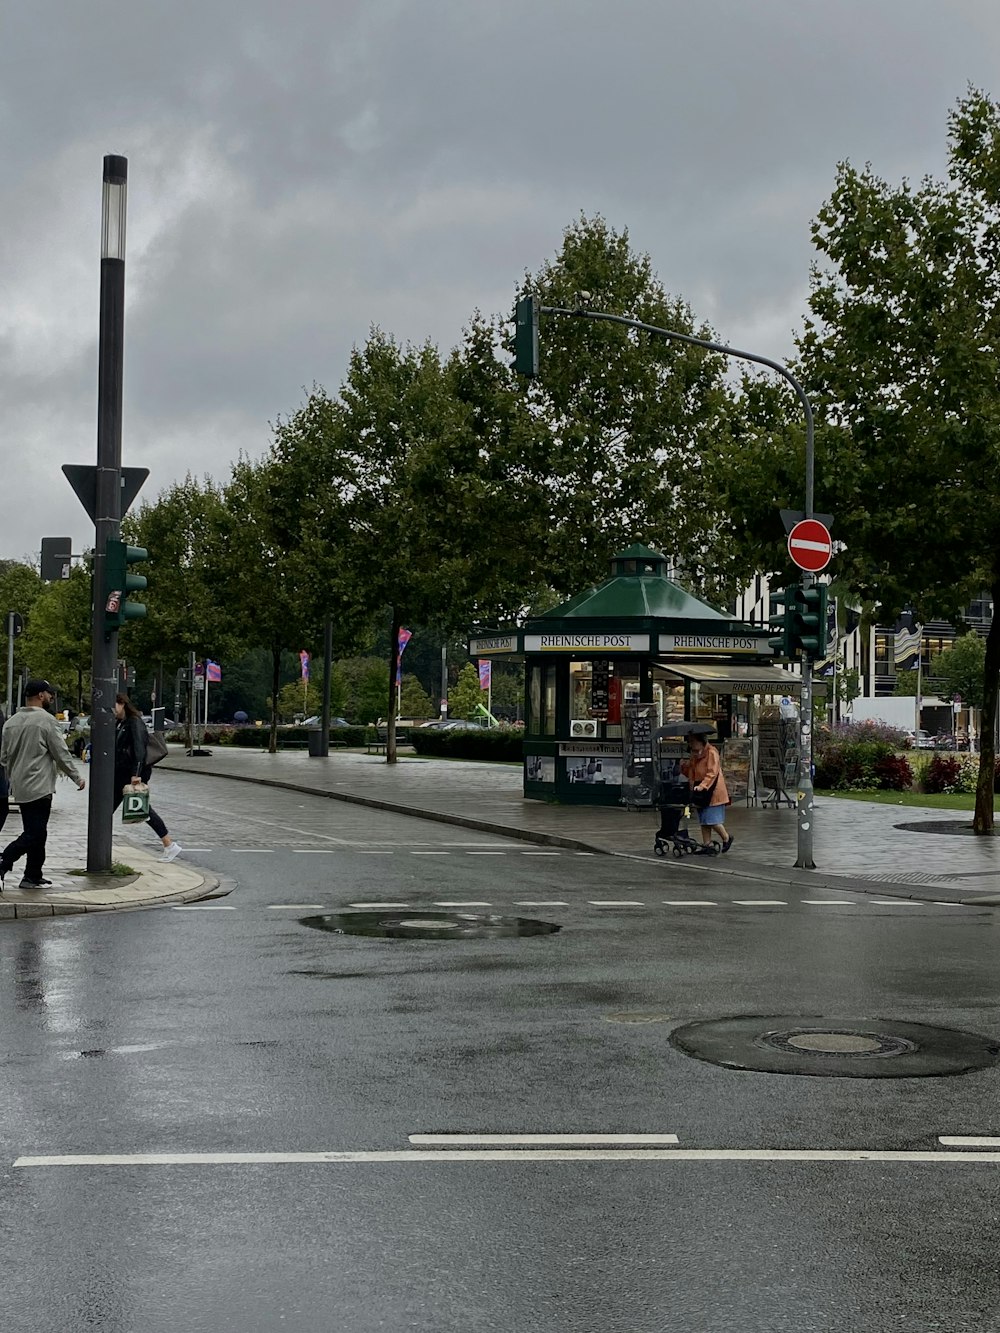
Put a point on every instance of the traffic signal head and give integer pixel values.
(119, 583)
(526, 336)
(809, 620)
(782, 602)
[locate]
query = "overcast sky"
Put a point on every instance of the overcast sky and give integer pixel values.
(299, 171)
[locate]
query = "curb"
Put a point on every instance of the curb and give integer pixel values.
(210, 886)
(777, 875)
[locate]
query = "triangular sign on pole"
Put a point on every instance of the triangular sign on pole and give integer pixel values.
(83, 478)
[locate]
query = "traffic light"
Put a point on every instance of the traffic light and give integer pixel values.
(782, 642)
(526, 336)
(809, 620)
(120, 583)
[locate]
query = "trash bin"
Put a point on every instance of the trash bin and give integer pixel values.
(315, 742)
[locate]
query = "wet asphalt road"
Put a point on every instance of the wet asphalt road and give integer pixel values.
(235, 1028)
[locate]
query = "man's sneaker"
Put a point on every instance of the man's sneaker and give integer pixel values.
(172, 852)
(35, 884)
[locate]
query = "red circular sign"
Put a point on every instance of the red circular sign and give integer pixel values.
(809, 545)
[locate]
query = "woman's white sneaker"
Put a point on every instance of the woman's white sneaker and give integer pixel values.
(172, 852)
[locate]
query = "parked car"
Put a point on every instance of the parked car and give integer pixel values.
(318, 722)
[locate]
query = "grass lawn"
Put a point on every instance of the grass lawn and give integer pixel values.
(943, 801)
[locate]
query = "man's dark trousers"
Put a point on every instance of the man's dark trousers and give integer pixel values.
(31, 843)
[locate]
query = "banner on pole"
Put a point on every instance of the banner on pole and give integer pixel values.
(213, 672)
(404, 638)
(304, 660)
(485, 673)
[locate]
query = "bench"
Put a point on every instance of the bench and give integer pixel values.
(379, 743)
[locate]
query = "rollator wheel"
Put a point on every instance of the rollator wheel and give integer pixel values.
(679, 853)
(658, 848)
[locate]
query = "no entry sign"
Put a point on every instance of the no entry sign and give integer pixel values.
(809, 545)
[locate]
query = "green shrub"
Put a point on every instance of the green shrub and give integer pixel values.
(493, 743)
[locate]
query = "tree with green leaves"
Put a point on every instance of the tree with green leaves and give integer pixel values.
(414, 701)
(901, 353)
(391, 499)
(20, 588)
(58, 640)
(624, 419)
(961, 666)
(465, 695)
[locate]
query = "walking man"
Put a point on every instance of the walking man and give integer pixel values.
(31, 751)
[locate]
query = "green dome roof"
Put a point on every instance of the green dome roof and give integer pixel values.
(638, 589)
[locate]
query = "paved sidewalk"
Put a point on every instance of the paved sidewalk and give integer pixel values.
(857, 845)
(154, 884)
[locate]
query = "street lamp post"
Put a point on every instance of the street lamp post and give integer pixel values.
(107, 511)
(805, 803)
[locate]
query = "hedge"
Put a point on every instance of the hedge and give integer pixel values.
(496, 743)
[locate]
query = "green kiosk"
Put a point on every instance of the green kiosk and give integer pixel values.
(639, 646)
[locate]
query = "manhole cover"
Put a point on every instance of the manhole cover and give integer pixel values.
(836, 1048)
(429, 925)
(956, 827)
(835, 1043)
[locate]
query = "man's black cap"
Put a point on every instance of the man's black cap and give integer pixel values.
(37, 686)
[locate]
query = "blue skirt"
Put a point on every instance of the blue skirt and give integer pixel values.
(712, 814)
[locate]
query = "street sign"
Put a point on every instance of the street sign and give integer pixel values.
(15, 624)
(810, 545)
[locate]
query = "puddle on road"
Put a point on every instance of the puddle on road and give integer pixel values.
(416, 925)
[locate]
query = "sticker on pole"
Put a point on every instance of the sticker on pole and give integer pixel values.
(810, 545)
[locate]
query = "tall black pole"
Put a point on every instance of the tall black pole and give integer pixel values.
(107, 513)
(327, 677)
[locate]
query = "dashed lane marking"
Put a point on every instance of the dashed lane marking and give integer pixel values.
(526, 902)
(295, 907)
(379, 906)
(692, 902)
(463, 904)
(613, 902)
(760, 902)
(202, 907)
(968, 1141)
(486, 853)
(509, 1140)
(312, 851)
(541, 853)
(430, 853)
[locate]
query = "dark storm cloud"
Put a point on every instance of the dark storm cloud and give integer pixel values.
(300, 172)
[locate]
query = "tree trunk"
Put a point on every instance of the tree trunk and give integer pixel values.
(390, 735)
(272, 744)
(983, 821)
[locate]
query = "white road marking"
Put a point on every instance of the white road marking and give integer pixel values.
(541, 853)
(362, 852)
(693, 902)
(203, 907)
(294, 907)
(614, 902)
(486, 853)
(968, 1141)
(509, 1155)
(379, 906)
(527, 902)
(197, 849)
(430, 853)
(260, 851)
(312, 851)
(508, 1140)
(896, 902)
(584, 853)
(463, 904)
(828, 902)
(760, 902)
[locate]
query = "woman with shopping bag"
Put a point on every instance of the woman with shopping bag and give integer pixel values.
(132, 770)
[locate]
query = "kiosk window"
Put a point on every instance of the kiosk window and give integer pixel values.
(542, 701)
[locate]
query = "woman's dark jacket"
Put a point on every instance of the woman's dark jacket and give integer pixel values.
(130, 747)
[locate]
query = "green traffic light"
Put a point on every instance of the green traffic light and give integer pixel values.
(526, 336)
(120, 582)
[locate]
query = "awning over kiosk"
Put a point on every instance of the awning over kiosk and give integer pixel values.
(733, 678)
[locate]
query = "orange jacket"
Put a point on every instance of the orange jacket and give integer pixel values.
(703, 771)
